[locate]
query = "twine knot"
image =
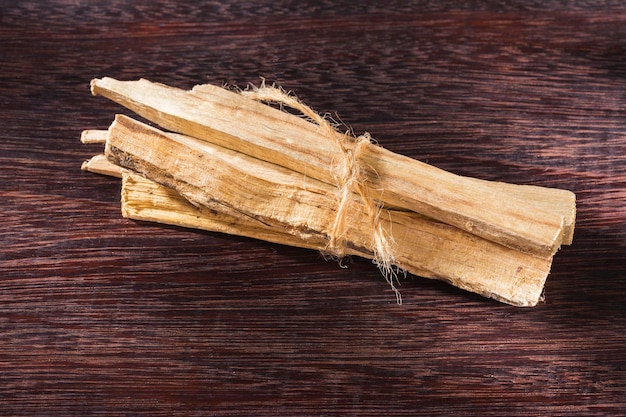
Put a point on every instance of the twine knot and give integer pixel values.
(350, 179)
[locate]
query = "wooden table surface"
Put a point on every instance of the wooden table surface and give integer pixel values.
(100, 315)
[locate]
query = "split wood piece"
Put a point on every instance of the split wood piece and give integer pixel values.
(146, 200)
(273, 197)
(93, 136)
(99, 164)
(515, 216)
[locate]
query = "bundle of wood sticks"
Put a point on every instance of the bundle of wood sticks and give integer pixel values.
(231, 162)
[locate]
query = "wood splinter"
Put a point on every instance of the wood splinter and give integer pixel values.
(491, 238)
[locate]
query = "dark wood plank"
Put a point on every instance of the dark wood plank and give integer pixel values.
(103, 316)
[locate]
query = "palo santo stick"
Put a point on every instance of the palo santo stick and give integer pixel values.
(558, 201)
(93, 136)
(146, 200)
(542, 197)
(99, 164)
(272, 197)
(236, 122)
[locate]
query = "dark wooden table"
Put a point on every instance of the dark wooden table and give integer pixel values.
(104, 316)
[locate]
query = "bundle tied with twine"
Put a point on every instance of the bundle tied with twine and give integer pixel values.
(459, 231)
(350, 179)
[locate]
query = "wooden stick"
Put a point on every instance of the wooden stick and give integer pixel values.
(274, 198)
(143, 199)
(231, 120)
(93, 136)
(99, 164)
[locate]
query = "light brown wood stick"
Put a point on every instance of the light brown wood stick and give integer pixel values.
(99, 164)
(93, 136)
(143, 199)
(146, 200)
(231, 120)
(276, 198)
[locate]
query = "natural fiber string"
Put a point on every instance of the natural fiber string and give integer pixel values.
(349, 178)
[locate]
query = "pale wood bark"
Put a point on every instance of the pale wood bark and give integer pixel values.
(528, 219)
(282, 202)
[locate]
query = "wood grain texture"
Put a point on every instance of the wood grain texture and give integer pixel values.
(103, 316)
